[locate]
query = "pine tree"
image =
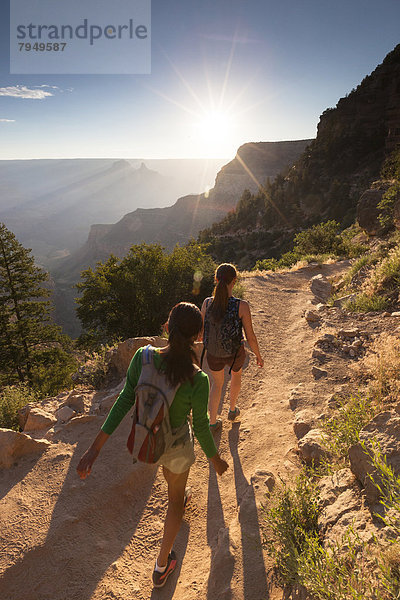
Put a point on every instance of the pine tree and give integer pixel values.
(25, 325)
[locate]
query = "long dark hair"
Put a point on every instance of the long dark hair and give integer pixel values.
(184, 325)
(224, 275)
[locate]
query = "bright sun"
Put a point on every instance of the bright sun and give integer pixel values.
(214, 126)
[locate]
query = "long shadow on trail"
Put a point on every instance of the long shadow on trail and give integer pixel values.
(92, 523)
(255, 584)
(222, 560)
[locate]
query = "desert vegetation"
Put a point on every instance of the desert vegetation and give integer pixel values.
(132, 296)
(349, 567)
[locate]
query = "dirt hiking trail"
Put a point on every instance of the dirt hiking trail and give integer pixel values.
(67, 539)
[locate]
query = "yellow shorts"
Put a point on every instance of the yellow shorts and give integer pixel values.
(180, 458)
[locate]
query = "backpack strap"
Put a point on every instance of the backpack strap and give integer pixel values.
(147, 354)
(202, 356)
(208, 303)
(237, 307)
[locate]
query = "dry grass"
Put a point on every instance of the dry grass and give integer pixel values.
(386, 275)
(383, 363)
(392, 558)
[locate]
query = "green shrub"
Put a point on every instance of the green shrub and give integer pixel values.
(12, 398)
(353, 248)
(367, 303)
(289, 258)
(387, 203)
(388, 485)
(266, 264)
(363, 262)
(53, 369)
(132, 296)
(339, 571)
(94, 371)
(290, 521)
(238, 289)
(322, 238)
(343, 429)
(391, 166)
(381, 286)
(387, 272)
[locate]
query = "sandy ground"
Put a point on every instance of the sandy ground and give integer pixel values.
(67, 539)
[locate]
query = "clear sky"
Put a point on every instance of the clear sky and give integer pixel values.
(224, 72)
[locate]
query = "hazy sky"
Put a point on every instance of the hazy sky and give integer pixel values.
(224, 72)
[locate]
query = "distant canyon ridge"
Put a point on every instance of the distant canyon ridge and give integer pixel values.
(74, 213)
(252, 165)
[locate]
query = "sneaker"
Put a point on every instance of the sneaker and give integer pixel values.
(234, 415)
(217, 426)
(187, 497)
(160, 579)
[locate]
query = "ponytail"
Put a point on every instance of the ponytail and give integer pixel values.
(184, 325)
(224, 275)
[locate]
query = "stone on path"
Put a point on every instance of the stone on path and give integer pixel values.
(312, 316)
(311, 447)
(321, 287)
(64, 414)
(318, 373)
(14, 445)
(38, 419)
(302, 424)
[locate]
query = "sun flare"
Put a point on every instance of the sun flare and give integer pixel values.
(214, 125)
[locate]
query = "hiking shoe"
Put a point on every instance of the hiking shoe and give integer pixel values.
(160, 579)
(234, 415)
(217, 426)
(187, 497)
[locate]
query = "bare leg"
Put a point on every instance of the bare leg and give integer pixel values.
(217, 381)
(176, 492)
(235, 387)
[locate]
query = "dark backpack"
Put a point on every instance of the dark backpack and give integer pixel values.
(151, 433)
(223, 338)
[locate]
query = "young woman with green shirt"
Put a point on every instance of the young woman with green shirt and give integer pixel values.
(179, 363)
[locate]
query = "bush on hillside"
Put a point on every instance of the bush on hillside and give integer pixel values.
(322, 238)
(383, 366)
(290, 519)
(316, 244)
(133, 296)
(12, 398)
(390, 172)
(387, 204)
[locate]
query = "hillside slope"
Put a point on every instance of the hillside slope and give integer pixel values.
(175, 224)
(51, 204)
(253, 163)
(95, 539)
(328, 179)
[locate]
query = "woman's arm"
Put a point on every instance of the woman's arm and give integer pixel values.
(201, 426)
(85, 464)
(245, 315)
(119, 409)
(203, 313)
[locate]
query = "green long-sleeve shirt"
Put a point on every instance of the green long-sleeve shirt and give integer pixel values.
(188, 398)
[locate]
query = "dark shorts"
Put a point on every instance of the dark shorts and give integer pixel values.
(217, 364)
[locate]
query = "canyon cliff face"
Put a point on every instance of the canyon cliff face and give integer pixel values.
(252, 165)
(327, 180)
